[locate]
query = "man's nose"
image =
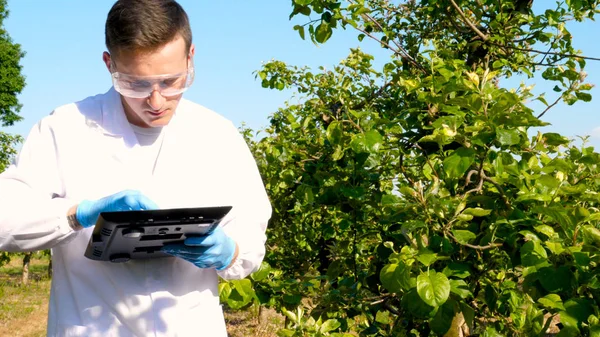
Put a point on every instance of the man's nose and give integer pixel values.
(156, 100)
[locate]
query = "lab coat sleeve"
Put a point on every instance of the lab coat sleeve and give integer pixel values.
(247, 221)
(32, 212)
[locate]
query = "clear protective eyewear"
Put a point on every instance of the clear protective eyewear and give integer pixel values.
(143, 86)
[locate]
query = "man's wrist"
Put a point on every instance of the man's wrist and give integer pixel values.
(72, 219)
(234, 258)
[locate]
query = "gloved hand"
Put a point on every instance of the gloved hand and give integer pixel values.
(213, 250)
(129, 200)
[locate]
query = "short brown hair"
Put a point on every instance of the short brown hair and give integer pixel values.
(145, 25)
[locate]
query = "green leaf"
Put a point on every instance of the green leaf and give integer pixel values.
(534, 196)
(584, 96)
(477, 211)
(460, 288)
(468, 313)
(412, 303)
(546, 230)
(330, 325)
(582, 259)
(490, 331)
(426, 257)
(591, 235)
(302, 2)
(456, 269)
(532, 254)
(300, 30)
(224, 291)
(368, 142)
(373, 140)
(241, 295)
(507, 137)
(555, 247)
(463, 236)
(395, 277)
(560, 215)
(555, 279)
(568, 331)
(465, 217)
(576, 312)
(552, 301)
(389, 200)
(382, 317)
(442, 321)
(338, 153)
(286, 333)
(262, 272)
(555, 139)
(292, 299)
(334, 270)
(323, 32)
(529, 236)
(334, 133)
(433, 288)
(244, 287)
(459, 162)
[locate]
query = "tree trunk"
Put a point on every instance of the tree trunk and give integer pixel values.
(260, 311)
(26, 260)
(50, 268)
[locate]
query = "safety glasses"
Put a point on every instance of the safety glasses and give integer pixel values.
(143, 86)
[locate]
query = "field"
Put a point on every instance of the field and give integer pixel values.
(24, 308)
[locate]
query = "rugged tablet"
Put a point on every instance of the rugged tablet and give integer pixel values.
(121, 236)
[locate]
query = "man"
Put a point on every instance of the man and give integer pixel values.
(138, 146)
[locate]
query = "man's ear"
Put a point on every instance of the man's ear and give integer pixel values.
(192, 52)
(106, 59)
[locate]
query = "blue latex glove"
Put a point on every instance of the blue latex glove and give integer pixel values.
(128, 200)
(214, 250)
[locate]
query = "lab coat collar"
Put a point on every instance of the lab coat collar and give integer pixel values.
(114, 122)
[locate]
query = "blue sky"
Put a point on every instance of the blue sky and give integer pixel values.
(64, 41)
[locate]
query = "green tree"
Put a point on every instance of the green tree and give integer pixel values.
(12, 83)
(418, 199)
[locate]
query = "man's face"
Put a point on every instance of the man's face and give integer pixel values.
(156, 109)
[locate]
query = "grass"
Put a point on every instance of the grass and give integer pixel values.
(246, 323)
(24, 308)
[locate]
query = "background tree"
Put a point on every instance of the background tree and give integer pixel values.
(418, 199)
(12, 83)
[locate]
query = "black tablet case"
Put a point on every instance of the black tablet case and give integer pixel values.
(121, 236)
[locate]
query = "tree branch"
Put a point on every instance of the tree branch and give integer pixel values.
(482, 178)
(400, 48)
(481, 175)
(399, 51)
(391, 309)
(550, 107)
(546, 52)
(351, 122)
(427, 158)
(403, 170)
(371, 97)
(466, 20)
(556, 102)
(490, 246)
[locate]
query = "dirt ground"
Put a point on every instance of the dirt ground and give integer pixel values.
(24, 308)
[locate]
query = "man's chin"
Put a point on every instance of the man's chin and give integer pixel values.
(159, 122)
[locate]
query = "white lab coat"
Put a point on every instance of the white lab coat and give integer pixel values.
(87, 150)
